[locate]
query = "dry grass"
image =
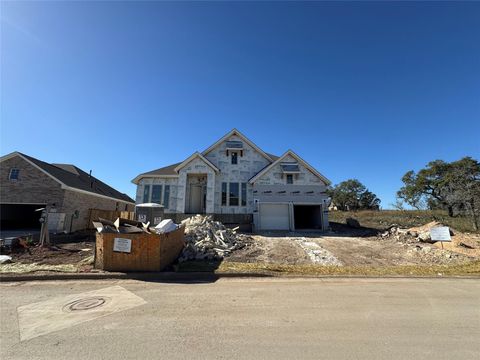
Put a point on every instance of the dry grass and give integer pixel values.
(405, 218)
(19, 268)
(466, 269)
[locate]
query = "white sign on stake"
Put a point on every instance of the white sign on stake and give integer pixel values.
(440, 233)
(122, 245)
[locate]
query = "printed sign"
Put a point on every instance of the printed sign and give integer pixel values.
(142, 218)
(441, 233)
(156, 220)
(122, 245)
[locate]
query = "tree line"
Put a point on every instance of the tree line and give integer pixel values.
(451, 186)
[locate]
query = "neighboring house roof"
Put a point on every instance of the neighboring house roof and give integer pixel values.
(299, 159)
(73, 178)
(241, 136)
(199, 156)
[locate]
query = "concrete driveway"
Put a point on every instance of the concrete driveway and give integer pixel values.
(242, 319)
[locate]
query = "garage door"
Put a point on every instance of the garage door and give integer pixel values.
(274, 217)
(19, 216)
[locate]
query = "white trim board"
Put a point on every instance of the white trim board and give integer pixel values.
(140, 177)
(201, 157)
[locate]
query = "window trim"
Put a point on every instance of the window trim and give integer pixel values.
(224, 198)
(160, 198)
(166, 196)
(146, 193)
(12, 171)
(234, 197)
(243, 194)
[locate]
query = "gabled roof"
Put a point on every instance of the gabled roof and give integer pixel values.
(169, 171)
(73, 178)
(296, 157)
(166, 171)
(241, 136)
(194, 156)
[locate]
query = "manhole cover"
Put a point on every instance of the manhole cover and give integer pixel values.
(85, 304)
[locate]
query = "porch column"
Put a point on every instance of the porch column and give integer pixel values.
(181, 192)
(210, 205)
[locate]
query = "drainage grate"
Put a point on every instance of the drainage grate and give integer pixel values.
(88, 303)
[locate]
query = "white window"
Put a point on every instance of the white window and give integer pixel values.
(14, 174)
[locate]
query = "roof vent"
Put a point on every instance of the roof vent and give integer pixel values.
(234, 145)
(290, 167)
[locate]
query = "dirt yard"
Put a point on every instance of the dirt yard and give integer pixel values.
(342, 246)
(69, 253)
(356, 247)
(277, 250)
(72, 253)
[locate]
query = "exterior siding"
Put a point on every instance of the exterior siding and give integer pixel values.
(248, 165)
(33, 186)
(172, 182)
(196, 166)
(275, 176)
(76, 201)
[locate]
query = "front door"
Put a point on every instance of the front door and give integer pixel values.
(196, 199)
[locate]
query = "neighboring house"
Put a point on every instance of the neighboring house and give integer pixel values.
(238, 182)
(27, 184)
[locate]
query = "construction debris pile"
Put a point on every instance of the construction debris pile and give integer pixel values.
(417, 240)
(316, 253)
(414, 234)
(209, 240)
(126, 226)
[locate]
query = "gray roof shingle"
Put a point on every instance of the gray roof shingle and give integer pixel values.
(169, 170)
(76, 178)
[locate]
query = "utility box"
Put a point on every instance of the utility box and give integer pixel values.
(138, 252)
(149, 212)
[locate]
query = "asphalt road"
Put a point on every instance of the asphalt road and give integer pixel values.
(245, 319)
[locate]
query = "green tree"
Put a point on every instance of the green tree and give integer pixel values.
(452, 186)
(353, 195)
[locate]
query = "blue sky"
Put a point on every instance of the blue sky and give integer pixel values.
(360, 90)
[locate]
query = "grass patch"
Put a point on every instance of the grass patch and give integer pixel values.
(466, 269)
(404, 218)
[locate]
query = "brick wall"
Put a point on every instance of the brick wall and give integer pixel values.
(81, 202)
(32, 186)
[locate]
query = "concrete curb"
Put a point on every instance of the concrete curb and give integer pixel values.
(146, 276)
(200, 276)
